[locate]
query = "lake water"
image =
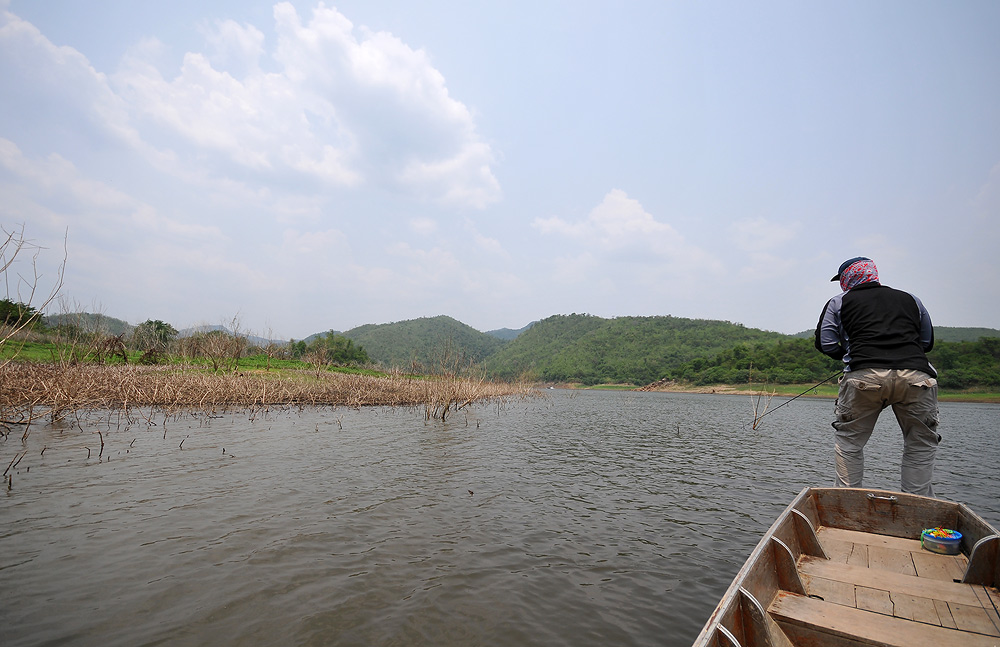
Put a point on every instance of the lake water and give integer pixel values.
(579, 518)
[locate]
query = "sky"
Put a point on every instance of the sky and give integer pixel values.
(298, 167)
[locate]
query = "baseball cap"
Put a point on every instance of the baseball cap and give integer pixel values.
(846, 264)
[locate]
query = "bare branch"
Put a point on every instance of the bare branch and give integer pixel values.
(14, 244)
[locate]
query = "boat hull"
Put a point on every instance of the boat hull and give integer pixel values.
(845, 566)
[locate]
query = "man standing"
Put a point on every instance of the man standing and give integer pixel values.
(882, 335)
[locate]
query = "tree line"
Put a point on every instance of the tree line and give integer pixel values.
(642, 350)
(960, 365)
(563, 348)
(89, 338)
(329, 348)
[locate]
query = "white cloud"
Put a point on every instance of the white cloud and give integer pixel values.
(619, 221)
(620, 231)
(345, 106)
(55, 185)
(489, 245)
(392, 100)
(423, 226)
(339, 107)
(463, 179)
(235, 48)
(59, 79)
(260, 122)
(54, 175)
(120, 245)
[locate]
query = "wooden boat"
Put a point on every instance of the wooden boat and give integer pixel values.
(844, 567)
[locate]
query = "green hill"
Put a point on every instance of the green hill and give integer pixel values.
(794, 360)
(430, 343)
(90, 323)
(946, 333)
(635, 350)
(537, 348)
(507, 334)
(626, 350)
(642, 350)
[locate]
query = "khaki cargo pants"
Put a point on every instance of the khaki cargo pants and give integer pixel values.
(913, 397)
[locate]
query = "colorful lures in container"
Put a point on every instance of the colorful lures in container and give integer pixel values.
(941, 541)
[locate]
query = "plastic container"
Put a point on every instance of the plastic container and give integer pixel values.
(941, 541)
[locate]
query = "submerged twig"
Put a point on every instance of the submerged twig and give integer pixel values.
(14, 461)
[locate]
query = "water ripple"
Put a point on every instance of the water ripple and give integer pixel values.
(581, 518)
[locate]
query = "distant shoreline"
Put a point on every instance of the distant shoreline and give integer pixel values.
(828, 392)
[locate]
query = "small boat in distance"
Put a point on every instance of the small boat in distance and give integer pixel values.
(843, 567)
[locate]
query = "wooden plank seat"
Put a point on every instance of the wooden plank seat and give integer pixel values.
(808, 621)
(873, 575)
(890, 553)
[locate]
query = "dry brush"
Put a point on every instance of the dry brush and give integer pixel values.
(30, 391)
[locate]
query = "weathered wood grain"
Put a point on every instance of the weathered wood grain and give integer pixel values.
(865, 627)
(845, 568)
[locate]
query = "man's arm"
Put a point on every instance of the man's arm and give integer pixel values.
(926, 327)
(828, 339)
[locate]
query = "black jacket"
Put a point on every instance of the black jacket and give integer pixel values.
(875, 326)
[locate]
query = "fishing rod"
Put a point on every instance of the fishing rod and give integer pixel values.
(761, 417)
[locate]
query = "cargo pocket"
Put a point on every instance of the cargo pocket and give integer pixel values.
(926, 383)
(932, 419)
(924, 407)
(856, 399)
(861, 385)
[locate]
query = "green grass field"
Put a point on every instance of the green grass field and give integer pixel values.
(53, 353)
(803, 390)
(830, 391)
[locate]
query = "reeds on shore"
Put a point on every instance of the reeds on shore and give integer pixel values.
(29, 391)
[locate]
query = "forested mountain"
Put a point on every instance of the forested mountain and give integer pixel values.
(967, 364)
(946, 333)
(507, 334)
(636, 350)
(430, 343)
(641, 350)
(624, 350)
(960, 365)
(536, 348)
(786, 361)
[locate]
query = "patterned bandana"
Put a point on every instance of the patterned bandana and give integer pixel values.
(858, 273)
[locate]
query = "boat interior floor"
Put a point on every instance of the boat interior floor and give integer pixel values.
(882, 590)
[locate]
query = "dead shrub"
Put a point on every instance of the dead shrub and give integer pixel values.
(30, 391)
